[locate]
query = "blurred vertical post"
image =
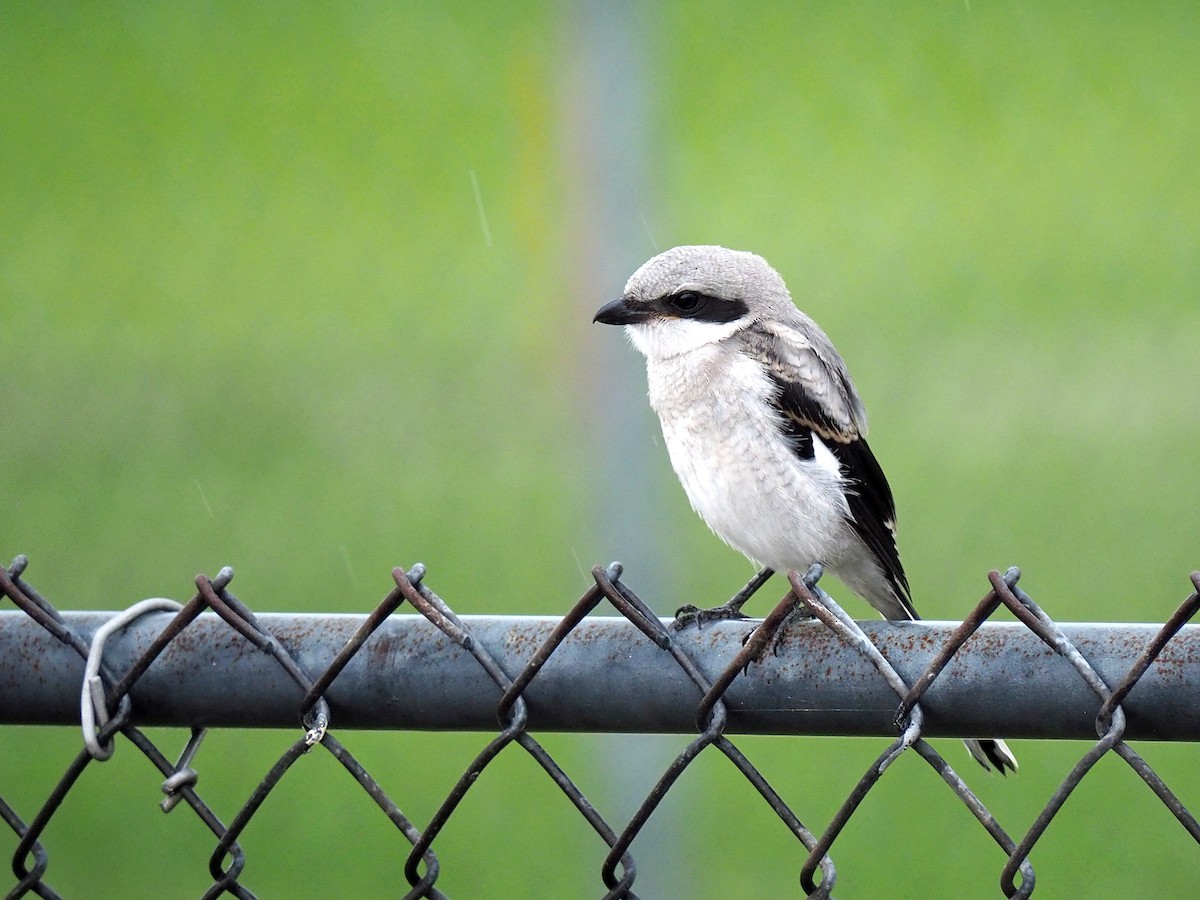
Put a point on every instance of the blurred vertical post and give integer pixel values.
(605, 112)
(607, 146)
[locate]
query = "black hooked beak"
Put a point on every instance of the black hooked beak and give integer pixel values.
(620, 312)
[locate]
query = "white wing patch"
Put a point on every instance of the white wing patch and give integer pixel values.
(825, 459)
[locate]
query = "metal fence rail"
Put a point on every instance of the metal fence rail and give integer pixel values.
(114, 673)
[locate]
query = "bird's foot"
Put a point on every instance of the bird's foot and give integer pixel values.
(694, 615)
(798, 614)
(731, 610)
(795, 617)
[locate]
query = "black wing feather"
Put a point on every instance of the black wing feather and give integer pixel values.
(872, 509)
(873, 512)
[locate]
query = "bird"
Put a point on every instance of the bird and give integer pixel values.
(766, 430)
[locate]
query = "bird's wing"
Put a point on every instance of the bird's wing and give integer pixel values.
(817, 397)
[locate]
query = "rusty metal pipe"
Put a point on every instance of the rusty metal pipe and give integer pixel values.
(608, 677)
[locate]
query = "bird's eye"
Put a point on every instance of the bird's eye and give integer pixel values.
(686, 301)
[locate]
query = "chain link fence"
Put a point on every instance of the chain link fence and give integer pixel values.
(822, 674)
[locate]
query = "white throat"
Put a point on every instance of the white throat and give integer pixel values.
(664, 338)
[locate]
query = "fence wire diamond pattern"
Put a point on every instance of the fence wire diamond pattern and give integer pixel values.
(108, 711)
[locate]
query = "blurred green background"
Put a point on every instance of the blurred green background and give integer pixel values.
(306, 290)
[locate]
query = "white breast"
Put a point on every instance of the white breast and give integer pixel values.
(737, 467)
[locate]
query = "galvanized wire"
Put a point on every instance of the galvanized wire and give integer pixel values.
(714, 690)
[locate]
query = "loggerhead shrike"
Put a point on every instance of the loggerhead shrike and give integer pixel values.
(765, 429)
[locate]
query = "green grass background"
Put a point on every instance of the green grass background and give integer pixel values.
(250, 316)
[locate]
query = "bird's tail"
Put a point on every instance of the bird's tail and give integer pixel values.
(891, 597)
(992, 753)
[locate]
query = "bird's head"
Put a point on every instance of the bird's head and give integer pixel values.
(688, 297)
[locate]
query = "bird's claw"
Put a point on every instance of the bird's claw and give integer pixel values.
(693, 615)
